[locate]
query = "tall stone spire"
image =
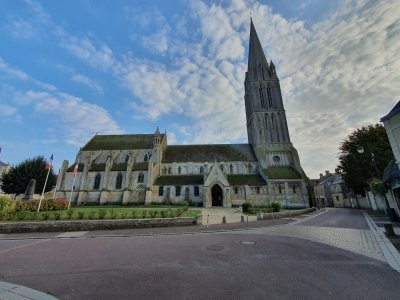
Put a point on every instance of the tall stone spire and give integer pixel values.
(267, 127)
(256, 53)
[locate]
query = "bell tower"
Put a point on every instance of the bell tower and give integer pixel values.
(267, 128)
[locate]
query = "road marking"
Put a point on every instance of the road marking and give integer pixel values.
(22, 246)
(310, 216)
(72, 234)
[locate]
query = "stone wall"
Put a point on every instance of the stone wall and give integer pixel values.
(88, 225)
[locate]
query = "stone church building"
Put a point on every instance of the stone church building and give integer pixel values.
(143, 168)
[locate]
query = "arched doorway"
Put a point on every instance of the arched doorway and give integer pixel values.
(217, 195)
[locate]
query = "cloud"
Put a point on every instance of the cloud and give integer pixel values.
(22, 29)
(87, 82)
(7, 110)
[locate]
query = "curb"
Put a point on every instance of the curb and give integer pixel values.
(19, 292)
(390, 253)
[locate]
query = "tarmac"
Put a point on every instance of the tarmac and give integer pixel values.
(212, 219)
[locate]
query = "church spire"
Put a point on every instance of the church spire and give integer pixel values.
(256, 53)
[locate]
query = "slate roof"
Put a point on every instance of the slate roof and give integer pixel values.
(391, 172)
(179, 180)
(120, 142)
(282, 173)
(208, 153)
(395, 110)
(252, 180)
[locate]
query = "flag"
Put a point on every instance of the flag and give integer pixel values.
(76, 169)
(49, 165)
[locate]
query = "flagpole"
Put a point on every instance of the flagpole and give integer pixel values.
(45, 183)
(73, 183)
(55, 189)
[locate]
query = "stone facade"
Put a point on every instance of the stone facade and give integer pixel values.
(143, 168)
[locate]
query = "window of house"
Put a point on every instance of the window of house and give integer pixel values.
(236, 190)
(177, 190)
(250, 168)
(169, 170)
(164, 170)
(231, 169)
(118, 183)
(260, 90)
(276, 159)
(145, 157)
(179, 170)
(280, 189)
(258, 190)
(196, 191)
(127, 158)
(96, 184)
(222, 167)
(160, 191)
(269, 96)
(201, 170)
(140, 177)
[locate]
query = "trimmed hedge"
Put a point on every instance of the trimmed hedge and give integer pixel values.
(47, 205)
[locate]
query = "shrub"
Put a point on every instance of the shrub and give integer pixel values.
(246, 206)
(113, 215)
(45, 215)
(163, 214)
(46, 205)
(56, 215)
(6, 204)
(92, 215)
(81, 214)
(133, 214)
(275, 206)
(144, 213)
(102, 213)
(153, 213)
(185, 205)
(20, 215)
(70, 212)
(122, 215)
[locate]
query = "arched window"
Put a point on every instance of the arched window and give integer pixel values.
(118, 183)
(96, 184)
(280, 189)
(127, 158)
(179, 170)
(164, 170)
(269, 96)
(169, 170)
(231, 169)
(260, 90)
(222, 167)
(161, 191)
(236, 190)
(145, 157)
(196, 190)
(250, 168)
(140, 178)
(201, 170)
(276, 159)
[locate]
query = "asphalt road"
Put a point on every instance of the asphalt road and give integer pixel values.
(339, 218)
(196, 266)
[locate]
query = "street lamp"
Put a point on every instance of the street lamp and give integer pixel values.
(360, 149)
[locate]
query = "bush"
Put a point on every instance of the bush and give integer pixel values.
(185, 205)
(246, 206)
(7, 205)
(163, 214)
(275, 206)
(81, 214)
(92, 215)
(153, 213)
(46, 205)
(133, 214)
(56, 215)
(20, 215)
(144, 213)
(102, 213)
(70, 212)
(45, 215)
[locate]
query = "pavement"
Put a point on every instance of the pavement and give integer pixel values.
(368, 240)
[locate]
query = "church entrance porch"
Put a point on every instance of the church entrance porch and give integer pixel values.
(217, 195)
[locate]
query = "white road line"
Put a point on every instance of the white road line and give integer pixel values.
(22, 246)
(72, 234)
(308, 218)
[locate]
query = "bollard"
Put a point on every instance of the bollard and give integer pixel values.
(242, 218)
(223, 219)
(259, 215)
(389, 231)
(208, 216)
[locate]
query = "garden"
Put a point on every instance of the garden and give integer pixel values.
(57, 209)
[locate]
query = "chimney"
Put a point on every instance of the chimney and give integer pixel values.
(327, 172)
(321, 175)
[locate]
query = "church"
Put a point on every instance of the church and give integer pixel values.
(144, 169)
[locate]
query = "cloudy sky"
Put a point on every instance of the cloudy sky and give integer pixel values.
(71, 69)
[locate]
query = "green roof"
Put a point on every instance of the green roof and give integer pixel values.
(142, 166)
(120, 142)
(282, 173)
(179, 180)
(253, 180)
(208, 153)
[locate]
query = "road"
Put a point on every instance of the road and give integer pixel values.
(283, 262)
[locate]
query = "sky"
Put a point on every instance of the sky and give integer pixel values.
(71, 69)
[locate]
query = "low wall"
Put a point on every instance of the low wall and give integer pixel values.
(284, 214)
(88, 225)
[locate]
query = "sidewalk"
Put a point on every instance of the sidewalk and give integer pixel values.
(19, 292)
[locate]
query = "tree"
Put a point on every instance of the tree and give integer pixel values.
(16, 180)
(357, 168)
